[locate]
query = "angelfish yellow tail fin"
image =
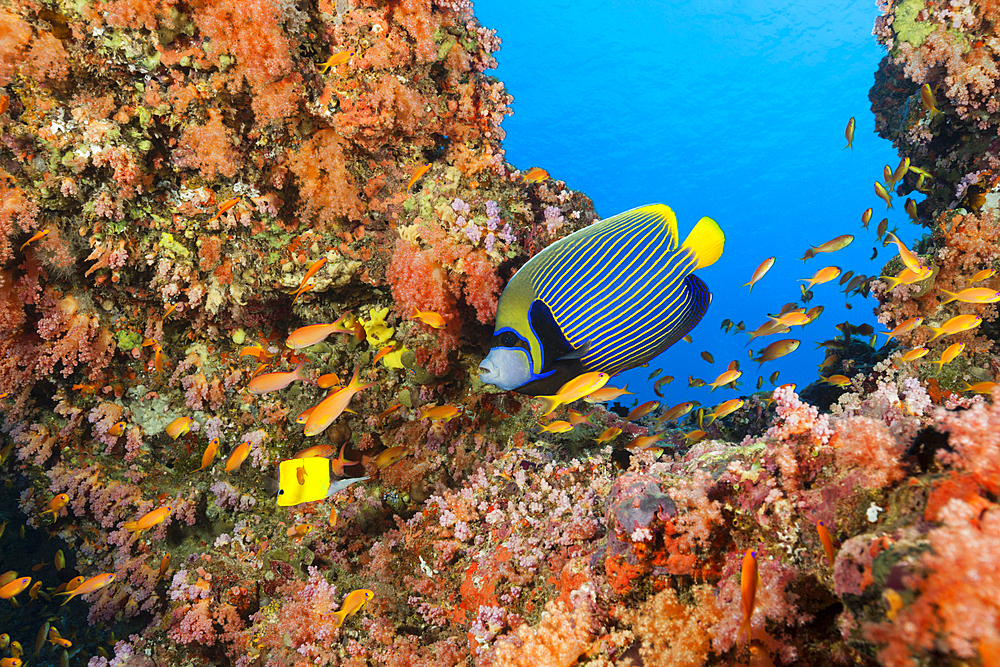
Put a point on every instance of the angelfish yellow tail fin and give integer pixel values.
(706, 242)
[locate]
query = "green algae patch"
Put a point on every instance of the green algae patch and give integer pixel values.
(906, 25)
(128, 340)
(167, 242)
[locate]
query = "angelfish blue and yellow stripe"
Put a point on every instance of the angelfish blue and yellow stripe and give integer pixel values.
(607, 298)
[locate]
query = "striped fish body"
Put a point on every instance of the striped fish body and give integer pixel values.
(606, 298)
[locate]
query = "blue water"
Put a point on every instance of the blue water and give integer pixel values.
(734, 114)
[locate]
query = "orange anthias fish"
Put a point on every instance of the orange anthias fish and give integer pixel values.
(725, 378)
(148, 520)
(37, 235)
(833, 245)
(640, 411)
(179, 427)
(557, 426)
(777, 349)
(56, 504)
(608, 434)
(949, 355)
(440, 412)
(9, 590)
(837, 380)
(338, 464)
(117, 429)
(429, 317)
(748, 587)
(764, 267)
(299, 531)
(390, 456)
(907, 277)
(927, 98)
(909, 259)
(882, 194)
(313, 268)
(335, 59)
(223, 207)
(89, 586)
(824, 537)
(535, 175)
(769, 328)
(981, 387)
(955, 325)
(904, 328)
(972, 295)
(794, 318)
(353, 603)
(384, 351)
(677, 411)
(315, 333)
(849, 133)
(420, 171)
(606, 394)
(982, 275)
(333, 405)
(914, 354)
(824, 275)
(575, 389)
(237, 458)
(209, 456)
(268, 382)
(866, 218)
(725, 409)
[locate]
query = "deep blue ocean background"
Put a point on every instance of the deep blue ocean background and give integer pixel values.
(733, 113)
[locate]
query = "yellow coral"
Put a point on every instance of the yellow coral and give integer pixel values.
(379, 334)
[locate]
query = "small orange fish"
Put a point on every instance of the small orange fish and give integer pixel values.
(927, 98)
(164, 566)
(764, 267)
(238, 456)
(579, 387)
(837, 380)
(666, 379)
(336, 59)
(388, 411)
(179, 427)
(440, 412)
(725, 378)
(907, 277)
(849, 133)
(606, 394)
(903, 328)
(725, 409)
(223, 207)
(909, 259)
(318, 451)
(955, 325)
(982, 275)
(384, 351)
(353, 603)
(171, 308)
(37, 235)
(332, 521)
(313, 268)
(429, 317)
(301, 474)
(866, 218)
(535, 175)
(910, 207)
(333, 406)
(299, 530)
(33, 591)
(882, 194)
(10, 662)
(89, 586)
(148, 520)
(390, 456)
(557, 426)
(972, 295)
(4, 102)
(640, 411)
(824, 275)
(777, 350)
(748, 588)
(56, 504)
(420, 171)
(833, 245)
(981, 387)
(268, 382)
(608, 434)
(256, 351)
(914, 354)
(794, 318)
(59, 561)
(949, 355)
(676, 412)
(117, 429)
(315, 333)
(338, 464)
(9, 590)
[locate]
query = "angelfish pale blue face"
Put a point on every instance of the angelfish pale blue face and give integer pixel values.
(508, 365)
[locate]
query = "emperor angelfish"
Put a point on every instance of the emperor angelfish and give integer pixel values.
(606, 298)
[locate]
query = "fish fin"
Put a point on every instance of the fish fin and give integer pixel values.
(551, 403)
(951, 297)
(706, 242)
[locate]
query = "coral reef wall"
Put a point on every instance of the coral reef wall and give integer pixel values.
(186, 184)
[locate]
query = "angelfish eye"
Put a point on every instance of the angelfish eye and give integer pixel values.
(508, 339)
